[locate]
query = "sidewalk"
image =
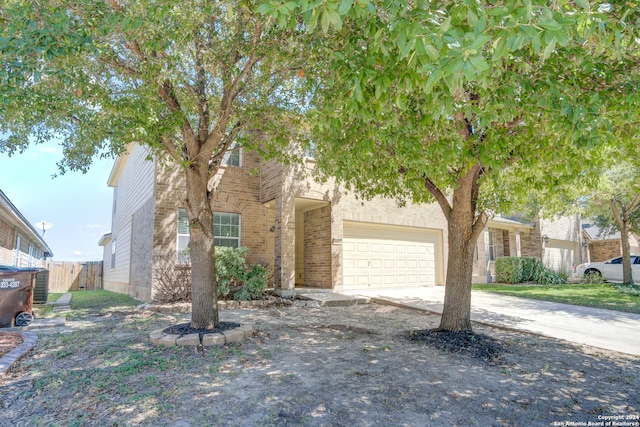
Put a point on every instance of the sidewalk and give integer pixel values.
(606, 329)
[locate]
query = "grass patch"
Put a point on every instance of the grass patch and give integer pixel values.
(87, 303)
(53, 296)
(42, 311)
(588, 295)
(83, 300)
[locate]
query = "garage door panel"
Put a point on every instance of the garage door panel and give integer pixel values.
(559, 255)
(388, 257)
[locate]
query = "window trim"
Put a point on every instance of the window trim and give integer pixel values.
(232, 151)
(215, 237)
(239, 227)
(180, 252)
(113, 254)
(16, 255)
(491, 246)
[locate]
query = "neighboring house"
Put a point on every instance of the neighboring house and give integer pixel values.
(601, 247)
(310, 235)
(557, 242)
(20, 243)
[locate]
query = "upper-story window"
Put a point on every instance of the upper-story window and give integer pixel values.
(233, 156)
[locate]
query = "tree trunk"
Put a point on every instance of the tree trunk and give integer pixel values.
(464, 226)
(456, 313)
(622, 218)
(204, 307)
(627, 273)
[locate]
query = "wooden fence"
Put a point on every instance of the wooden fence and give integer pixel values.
(72, 276)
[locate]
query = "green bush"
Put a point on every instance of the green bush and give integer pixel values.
(549, 277)
(531, 268)
(527, 269)
(508, 270)
(254, 284)
(234, 279)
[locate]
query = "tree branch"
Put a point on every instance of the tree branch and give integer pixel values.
(230, 94)
(439, 196)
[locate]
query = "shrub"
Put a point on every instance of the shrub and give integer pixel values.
(172, 277)
(254, 284)
(508, 270)
(549, 277)
(627, 289)
(230, 269)
(171, 280)
(235, 280)
(531, 268)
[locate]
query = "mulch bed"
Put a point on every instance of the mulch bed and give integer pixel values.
(9, 341)
(186, 329)
(478, 346)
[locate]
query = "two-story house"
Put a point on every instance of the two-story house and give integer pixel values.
(310, 235)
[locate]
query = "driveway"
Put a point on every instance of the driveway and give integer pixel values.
(592, 326)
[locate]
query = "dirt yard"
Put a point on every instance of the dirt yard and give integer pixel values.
(309, 366)
(9, 341)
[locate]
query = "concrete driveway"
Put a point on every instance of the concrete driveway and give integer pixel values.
(592, 326)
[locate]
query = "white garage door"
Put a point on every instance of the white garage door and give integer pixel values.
(388, 257)
(559, 255)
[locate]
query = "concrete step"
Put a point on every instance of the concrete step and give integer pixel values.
(333, 299)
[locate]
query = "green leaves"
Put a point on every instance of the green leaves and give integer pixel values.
(518, 87)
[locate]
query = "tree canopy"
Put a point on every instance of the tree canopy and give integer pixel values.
(471, 104)
(186, 78)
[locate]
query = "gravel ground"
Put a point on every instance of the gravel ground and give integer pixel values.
(366, 365)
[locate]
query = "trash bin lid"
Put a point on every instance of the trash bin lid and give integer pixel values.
(12, 269)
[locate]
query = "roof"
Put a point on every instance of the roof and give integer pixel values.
(595, 233)
(508, 223)
(104, 240)
(14, 217)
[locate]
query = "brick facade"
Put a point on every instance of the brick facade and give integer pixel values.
(603, 250)
(317, 248)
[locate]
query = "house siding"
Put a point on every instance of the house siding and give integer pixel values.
(7, 243)
(142, 251)
(135, 187)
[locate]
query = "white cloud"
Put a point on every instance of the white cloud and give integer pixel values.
(77, 253)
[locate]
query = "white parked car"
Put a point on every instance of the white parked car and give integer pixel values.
(611, 269)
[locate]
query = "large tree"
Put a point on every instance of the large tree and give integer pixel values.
(470, 104)
(187, 78)
(614, 204)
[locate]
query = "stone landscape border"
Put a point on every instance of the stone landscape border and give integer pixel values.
(28, 342)
(185, 307)
(230, 336)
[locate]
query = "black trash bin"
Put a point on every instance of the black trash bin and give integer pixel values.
(16, 295)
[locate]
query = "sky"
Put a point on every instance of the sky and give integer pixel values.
(77, 205)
